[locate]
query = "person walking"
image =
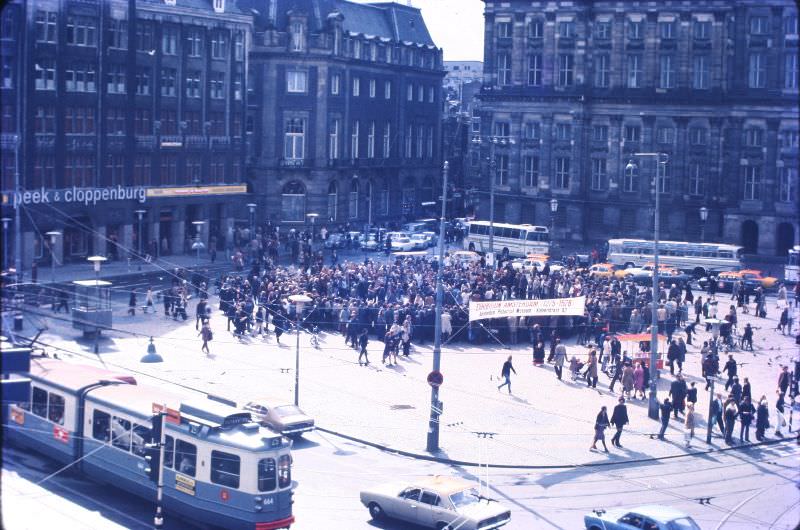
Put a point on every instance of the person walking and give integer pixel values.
(132, 303)
(591, 370)
(363, 340)
(619, 418)
(200, 313)
(730, 368)
(506, 374)
(717, 409)
(746, 412)
(560, 357)
(762, 418)
(600, 425)
(730, 421)
(666, 408)
(784, 377)
(677, 391)
(627, 380)
(148, 300)
(207, 335)
(780, 419)
(618, 371)
(638, 381)
(688, 424)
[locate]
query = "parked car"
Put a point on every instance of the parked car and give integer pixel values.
(465, 256)
(287, 420)
(371, 243)
(419, 240)
(602, 270)
(751, 278)
(433, 237)
(402, 244)
(645, 274)
(334, 241)
(436, 502)
(651, 517)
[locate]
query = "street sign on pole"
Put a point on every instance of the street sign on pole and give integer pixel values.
(435, 379)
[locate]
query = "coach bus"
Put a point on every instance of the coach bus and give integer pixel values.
(791, 272)
(697, 258)
(510, 239)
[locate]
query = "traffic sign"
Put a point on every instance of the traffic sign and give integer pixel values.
(435, 379)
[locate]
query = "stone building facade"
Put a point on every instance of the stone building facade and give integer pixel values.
(581, 86)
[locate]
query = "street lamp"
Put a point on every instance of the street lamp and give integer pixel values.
(493, 141)
(313, 216)
(6, 221)
(53, 235)
(652, 409)
(197, 245)
(96, 262)
(299, 300)
(703, 219)
(553, 210)
(140, 214)
(252, 207)
(436, 407)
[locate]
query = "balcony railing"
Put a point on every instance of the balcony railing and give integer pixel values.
(45, 142)
(9, 140)
(80, 142)
(147, 141)
(171, 140)
(220, 141)
(196, 141)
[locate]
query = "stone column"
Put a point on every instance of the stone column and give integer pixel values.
(100, 243)
(178, 230)
(126, 241)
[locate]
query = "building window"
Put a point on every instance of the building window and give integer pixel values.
(561, 181)
(790, 71)
(535, 70)
(665, 135)
(635, 72)
(566, 29)
(504, 30)
(78, 171)
(354, 140)
(143, 82)
(757, 72)
(294, 139)
(536, 29)
(356, 87)
(81, 31)
(80, 77)
(168, 173)
(45, 74)
(141, 170)
(333, 201)
(371, 140)
(115, 79)
(217, 167)
(789, 138)
(635, 29)
(336, 81)
(194, 42)
(79, 120)
(697, 181)
(409, 139)
(168, 82)
(420, 140)
(372, 88)
(752, 182)
(8, 72)
(666, 78)
(787, 184)
(410, 92)
(431, 94)
(630, 180)
(44, 120)
(238, 46)
(387, 140)
(141, 122)
(697, 136)
(790, 25)
(352, 203)
(565, 67)
(46, 23)
(754, 137)
(530, 171)
(293, 202)
(238, 82)
(501, 170)
(701, 29)
(298, 36)
(219, 45)
(217, 85)
(144, 37)
(44, 171)
(429, 143)
(602, 75)
(632, 133)
(115, 121)
(387, 90)
(502, 128)
(563, 131)
(701, 72)
(600, 133)
(333, 139)
(420, 93)
(296, 81)
(169, 122)
(356, 49)
(503, 69)
(664, 178)
(598, 174)
(169, 40)
(759, 25)
(667, 29)
(602, 30)
(532, 130)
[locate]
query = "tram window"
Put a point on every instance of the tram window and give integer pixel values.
(284, 471)
(267, 481)
(185, 457)
(169, 451)
(55, 410)
(725, 254)
(514, 233)
(121, 433)
(140, 436)
(225, 469)
(101, 425)
(39, 402)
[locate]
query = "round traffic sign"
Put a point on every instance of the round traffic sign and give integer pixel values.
(435, 378)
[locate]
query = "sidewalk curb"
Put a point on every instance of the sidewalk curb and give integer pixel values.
(448, 461)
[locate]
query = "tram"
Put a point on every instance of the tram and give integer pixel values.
(219, 467)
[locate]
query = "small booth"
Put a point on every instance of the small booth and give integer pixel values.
(92, 309)
(638, 347)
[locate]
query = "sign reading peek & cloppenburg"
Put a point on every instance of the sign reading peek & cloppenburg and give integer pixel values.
(527, 308)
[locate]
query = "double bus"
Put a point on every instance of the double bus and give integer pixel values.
(791, 272)
(697, 258)
(511, 239)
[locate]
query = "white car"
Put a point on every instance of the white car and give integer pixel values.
(287, 420)
(436, 502)
(401, 242)
(371, 243)
(433, 237)
(420, 240)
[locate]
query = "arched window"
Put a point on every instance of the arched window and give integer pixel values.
(383, 198)
(630, 182)
(353, 202)
(333, 201)
(293, 202)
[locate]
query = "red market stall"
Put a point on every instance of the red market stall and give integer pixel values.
(632, 343)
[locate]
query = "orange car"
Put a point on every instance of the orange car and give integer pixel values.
(602, 270)
(751, 279)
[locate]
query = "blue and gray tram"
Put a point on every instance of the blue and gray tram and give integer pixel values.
(219, 467)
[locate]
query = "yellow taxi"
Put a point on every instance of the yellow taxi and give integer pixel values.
(602, 270)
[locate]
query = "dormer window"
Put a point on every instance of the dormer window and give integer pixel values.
(298, 36)
(219, 6)
(169, 2)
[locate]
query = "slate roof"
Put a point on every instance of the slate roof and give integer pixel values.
(205, 6)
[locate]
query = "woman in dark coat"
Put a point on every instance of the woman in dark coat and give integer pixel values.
(600, 425)
(762, 418)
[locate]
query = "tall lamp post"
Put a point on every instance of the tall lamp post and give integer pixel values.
(313, 217)
(53, 234)
(436, 408)
(703, 219)
(6, 221)
(553, 211)
(97, 262)
(198, 244)
(493, 140)
(299, 301)
(140, 215)
(652, 408)
(252, 207)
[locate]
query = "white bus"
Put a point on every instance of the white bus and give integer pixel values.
(791, 272)
(515, 240)
(696, 258)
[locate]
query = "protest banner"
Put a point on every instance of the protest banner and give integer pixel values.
(527, 308)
